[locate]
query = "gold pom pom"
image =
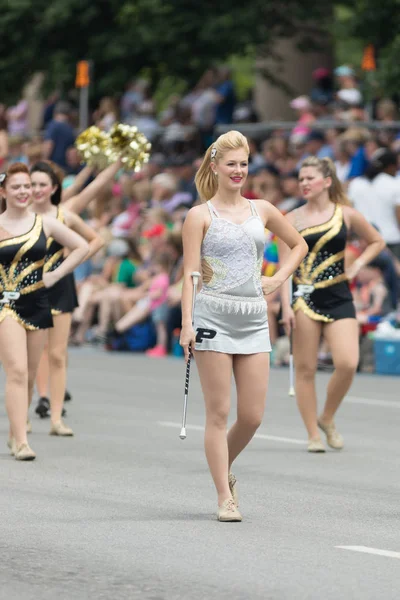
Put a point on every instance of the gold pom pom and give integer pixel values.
(99, 149)
(129, 144)
(92, 145)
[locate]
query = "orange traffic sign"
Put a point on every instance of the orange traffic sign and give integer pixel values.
(82, 74)
(368, 61)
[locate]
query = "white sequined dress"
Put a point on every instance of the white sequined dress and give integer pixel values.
(231, 313)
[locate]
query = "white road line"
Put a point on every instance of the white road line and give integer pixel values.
(366, 550)
(261, 436)
(372, 402)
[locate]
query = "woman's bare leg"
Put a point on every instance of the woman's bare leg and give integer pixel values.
(129, 297)
(87, 305)
(85, 293)
(109, 299)
(58, 347)
(134, 316)
(43, 372)
(251, 376)
(306, 338)
(342, 337)
(36, 341)
(215, 370)
(162, 336)
(13, 356)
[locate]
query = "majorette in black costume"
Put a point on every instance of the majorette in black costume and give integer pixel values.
(22, 293)
(320, 286)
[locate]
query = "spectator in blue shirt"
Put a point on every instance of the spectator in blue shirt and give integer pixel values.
(59, 135)
(225, 97)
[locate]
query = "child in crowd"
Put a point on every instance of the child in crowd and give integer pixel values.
(371, 297)
(154, 304)
(103, 291)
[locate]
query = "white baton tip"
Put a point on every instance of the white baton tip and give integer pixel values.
(292, 392)
(182, 435)
(195, 276)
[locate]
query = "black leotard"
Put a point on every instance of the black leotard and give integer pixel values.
(320, 285)
(23, 296)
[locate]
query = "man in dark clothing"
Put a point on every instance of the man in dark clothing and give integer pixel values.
(225, 97)
(59, 135)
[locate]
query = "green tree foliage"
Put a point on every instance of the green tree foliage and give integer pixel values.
(378, 23)
(178, 38)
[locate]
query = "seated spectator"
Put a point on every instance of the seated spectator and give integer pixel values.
(390, 268)
(105, 290)
(371, 296)
(154, 304)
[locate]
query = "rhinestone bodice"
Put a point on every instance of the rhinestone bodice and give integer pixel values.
(320, 282)
(324, 264)
(21, 262)
(232, 255)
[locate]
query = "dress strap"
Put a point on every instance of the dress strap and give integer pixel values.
(254, 212)
(213, 210)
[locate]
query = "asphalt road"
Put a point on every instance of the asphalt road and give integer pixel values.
(126, 510)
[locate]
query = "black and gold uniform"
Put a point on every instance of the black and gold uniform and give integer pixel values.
(23, 296)
(320, 285)
(62, 295)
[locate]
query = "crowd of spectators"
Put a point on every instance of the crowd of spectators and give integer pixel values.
(130, 292)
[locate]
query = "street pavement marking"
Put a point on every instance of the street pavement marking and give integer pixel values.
(372, 402)
(366, 550)
(261, 436)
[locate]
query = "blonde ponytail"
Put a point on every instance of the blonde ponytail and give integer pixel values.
(206, 181)
(327, 167)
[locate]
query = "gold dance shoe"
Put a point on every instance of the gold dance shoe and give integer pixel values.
(333, 437)
(24, 452)
(61, 429)
(228, 512)
(315, 445)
